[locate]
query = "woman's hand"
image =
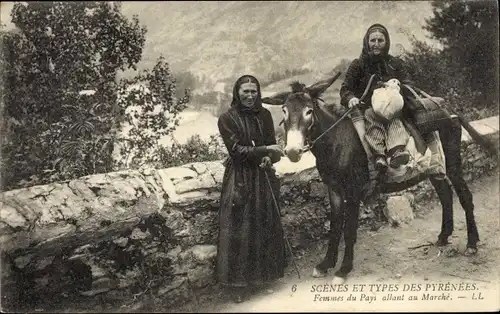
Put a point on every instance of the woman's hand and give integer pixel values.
(275, 149)
(266, 163)
(353, 102)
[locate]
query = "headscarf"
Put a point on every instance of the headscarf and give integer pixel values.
(236, 103)
(366, 53)
(369, 59)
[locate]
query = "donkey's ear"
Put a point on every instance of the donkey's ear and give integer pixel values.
(277, 99)
(318, 88)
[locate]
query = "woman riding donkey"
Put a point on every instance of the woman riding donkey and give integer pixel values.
(381, 134)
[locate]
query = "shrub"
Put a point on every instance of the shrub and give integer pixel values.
(464, 70)
(195, 150)
(440, 74)
(57, 50)
(149, 106)
(64, 110)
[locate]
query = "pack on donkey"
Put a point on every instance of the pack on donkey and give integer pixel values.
(380, 147)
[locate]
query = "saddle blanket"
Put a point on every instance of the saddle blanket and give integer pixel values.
(430, 162)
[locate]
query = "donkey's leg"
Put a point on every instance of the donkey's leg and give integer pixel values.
(350, 237)
(465, 198)
(336, 224)
(445, 194)
(451, 147)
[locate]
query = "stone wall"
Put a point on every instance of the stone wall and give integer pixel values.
(153, 230)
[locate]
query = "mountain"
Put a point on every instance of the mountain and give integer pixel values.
(217, 41)
(223, 40)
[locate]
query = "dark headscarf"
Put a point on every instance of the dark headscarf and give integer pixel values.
(236, 103)
(366, 53)
(369, 59)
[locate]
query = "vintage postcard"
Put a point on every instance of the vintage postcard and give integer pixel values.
(249, 156)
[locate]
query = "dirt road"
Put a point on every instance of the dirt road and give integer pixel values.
(384, 257)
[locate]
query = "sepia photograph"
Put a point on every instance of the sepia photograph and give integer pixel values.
(249, 156)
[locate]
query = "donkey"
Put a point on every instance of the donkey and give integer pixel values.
(343, 167)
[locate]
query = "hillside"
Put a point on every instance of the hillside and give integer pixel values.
(222, 40)
(218, 41)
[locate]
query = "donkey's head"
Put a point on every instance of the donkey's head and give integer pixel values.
(298, 115)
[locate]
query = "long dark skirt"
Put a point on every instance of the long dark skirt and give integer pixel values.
(250, 244)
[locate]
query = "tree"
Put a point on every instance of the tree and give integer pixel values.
(150, 108)
(62, 114)
(185, 80)
(468, 31)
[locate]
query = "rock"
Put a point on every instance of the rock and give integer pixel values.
(178, 173)
(201, 276)
(22, 204)
(11, 217)
(174, 253)
(81, 189)
(202, 254)
(171, 285)
(82, 249)
(167, 185)
(198, 167)
(121, 242)
(97, 271)
(147, 171)
(153, 182)
(22, 261)
(318, 190)
(101, 285)
(399, 209)
(203, 181)
(137, 234)
(43, 262)
(216, 168)
(5, 229)
(193, 200)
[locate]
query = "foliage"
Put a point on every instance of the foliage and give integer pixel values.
(468, 31)
(63, 112)
(150, 109)
(463, 71)
(214, 102)
(185, 80)
(58, 50)
(195, 150)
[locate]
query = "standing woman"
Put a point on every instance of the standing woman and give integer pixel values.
(250, 244)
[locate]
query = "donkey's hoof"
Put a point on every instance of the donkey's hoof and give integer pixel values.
(338, 280)
(317, 273)
(442, 242)
(470, 251)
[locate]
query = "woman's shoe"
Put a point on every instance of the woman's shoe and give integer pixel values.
(380, 164)
(399, 158)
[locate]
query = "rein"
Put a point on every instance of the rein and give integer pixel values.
(308, 147)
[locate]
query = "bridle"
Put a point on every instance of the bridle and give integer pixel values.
(311, 143)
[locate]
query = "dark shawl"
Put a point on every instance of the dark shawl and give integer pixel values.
(250, 242)
(360, 70)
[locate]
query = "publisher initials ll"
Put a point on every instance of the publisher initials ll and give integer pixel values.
(477, 297)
